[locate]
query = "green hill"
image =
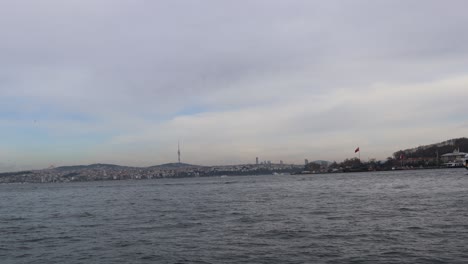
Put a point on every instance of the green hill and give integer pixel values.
(428, 151)
(91, 166)
(174, 165)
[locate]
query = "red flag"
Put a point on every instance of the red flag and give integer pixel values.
(357, 150)
(402, 156)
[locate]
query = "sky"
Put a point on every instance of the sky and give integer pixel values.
(122, 81)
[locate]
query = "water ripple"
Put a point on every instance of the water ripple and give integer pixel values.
(390, 217)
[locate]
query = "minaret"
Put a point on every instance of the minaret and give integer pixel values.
(178, 150)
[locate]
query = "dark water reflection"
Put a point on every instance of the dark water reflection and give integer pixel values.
(389, 217)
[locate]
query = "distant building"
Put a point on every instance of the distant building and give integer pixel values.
(455, 156)
(306, 161)
(256, 160)
(281, 162)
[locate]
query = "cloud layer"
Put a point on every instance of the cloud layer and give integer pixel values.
(123, 81)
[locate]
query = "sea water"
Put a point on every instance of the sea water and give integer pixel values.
(383, 217)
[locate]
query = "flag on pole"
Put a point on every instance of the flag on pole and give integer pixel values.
(356, 150)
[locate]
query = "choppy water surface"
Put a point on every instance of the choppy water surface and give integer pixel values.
(386, 217)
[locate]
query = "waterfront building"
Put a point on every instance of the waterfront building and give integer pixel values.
(455, 156)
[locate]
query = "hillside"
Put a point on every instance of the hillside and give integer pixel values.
(91, 166)
(426, 151)
(174, 165)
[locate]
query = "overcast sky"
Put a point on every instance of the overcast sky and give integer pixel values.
(114, 81)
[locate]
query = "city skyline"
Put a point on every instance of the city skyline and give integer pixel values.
(121, 82)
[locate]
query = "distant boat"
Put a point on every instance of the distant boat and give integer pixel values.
(455, 164)
(465, 162)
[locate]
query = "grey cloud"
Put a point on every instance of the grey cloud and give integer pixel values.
(130, 64)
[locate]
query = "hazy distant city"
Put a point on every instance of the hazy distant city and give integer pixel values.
(422, 157)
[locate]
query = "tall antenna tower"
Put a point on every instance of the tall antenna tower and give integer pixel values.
(178, 150)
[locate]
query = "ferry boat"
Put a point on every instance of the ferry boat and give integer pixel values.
(465, 162)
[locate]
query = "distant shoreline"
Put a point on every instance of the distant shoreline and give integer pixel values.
(31, 177)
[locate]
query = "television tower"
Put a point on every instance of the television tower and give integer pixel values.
(178, 150)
